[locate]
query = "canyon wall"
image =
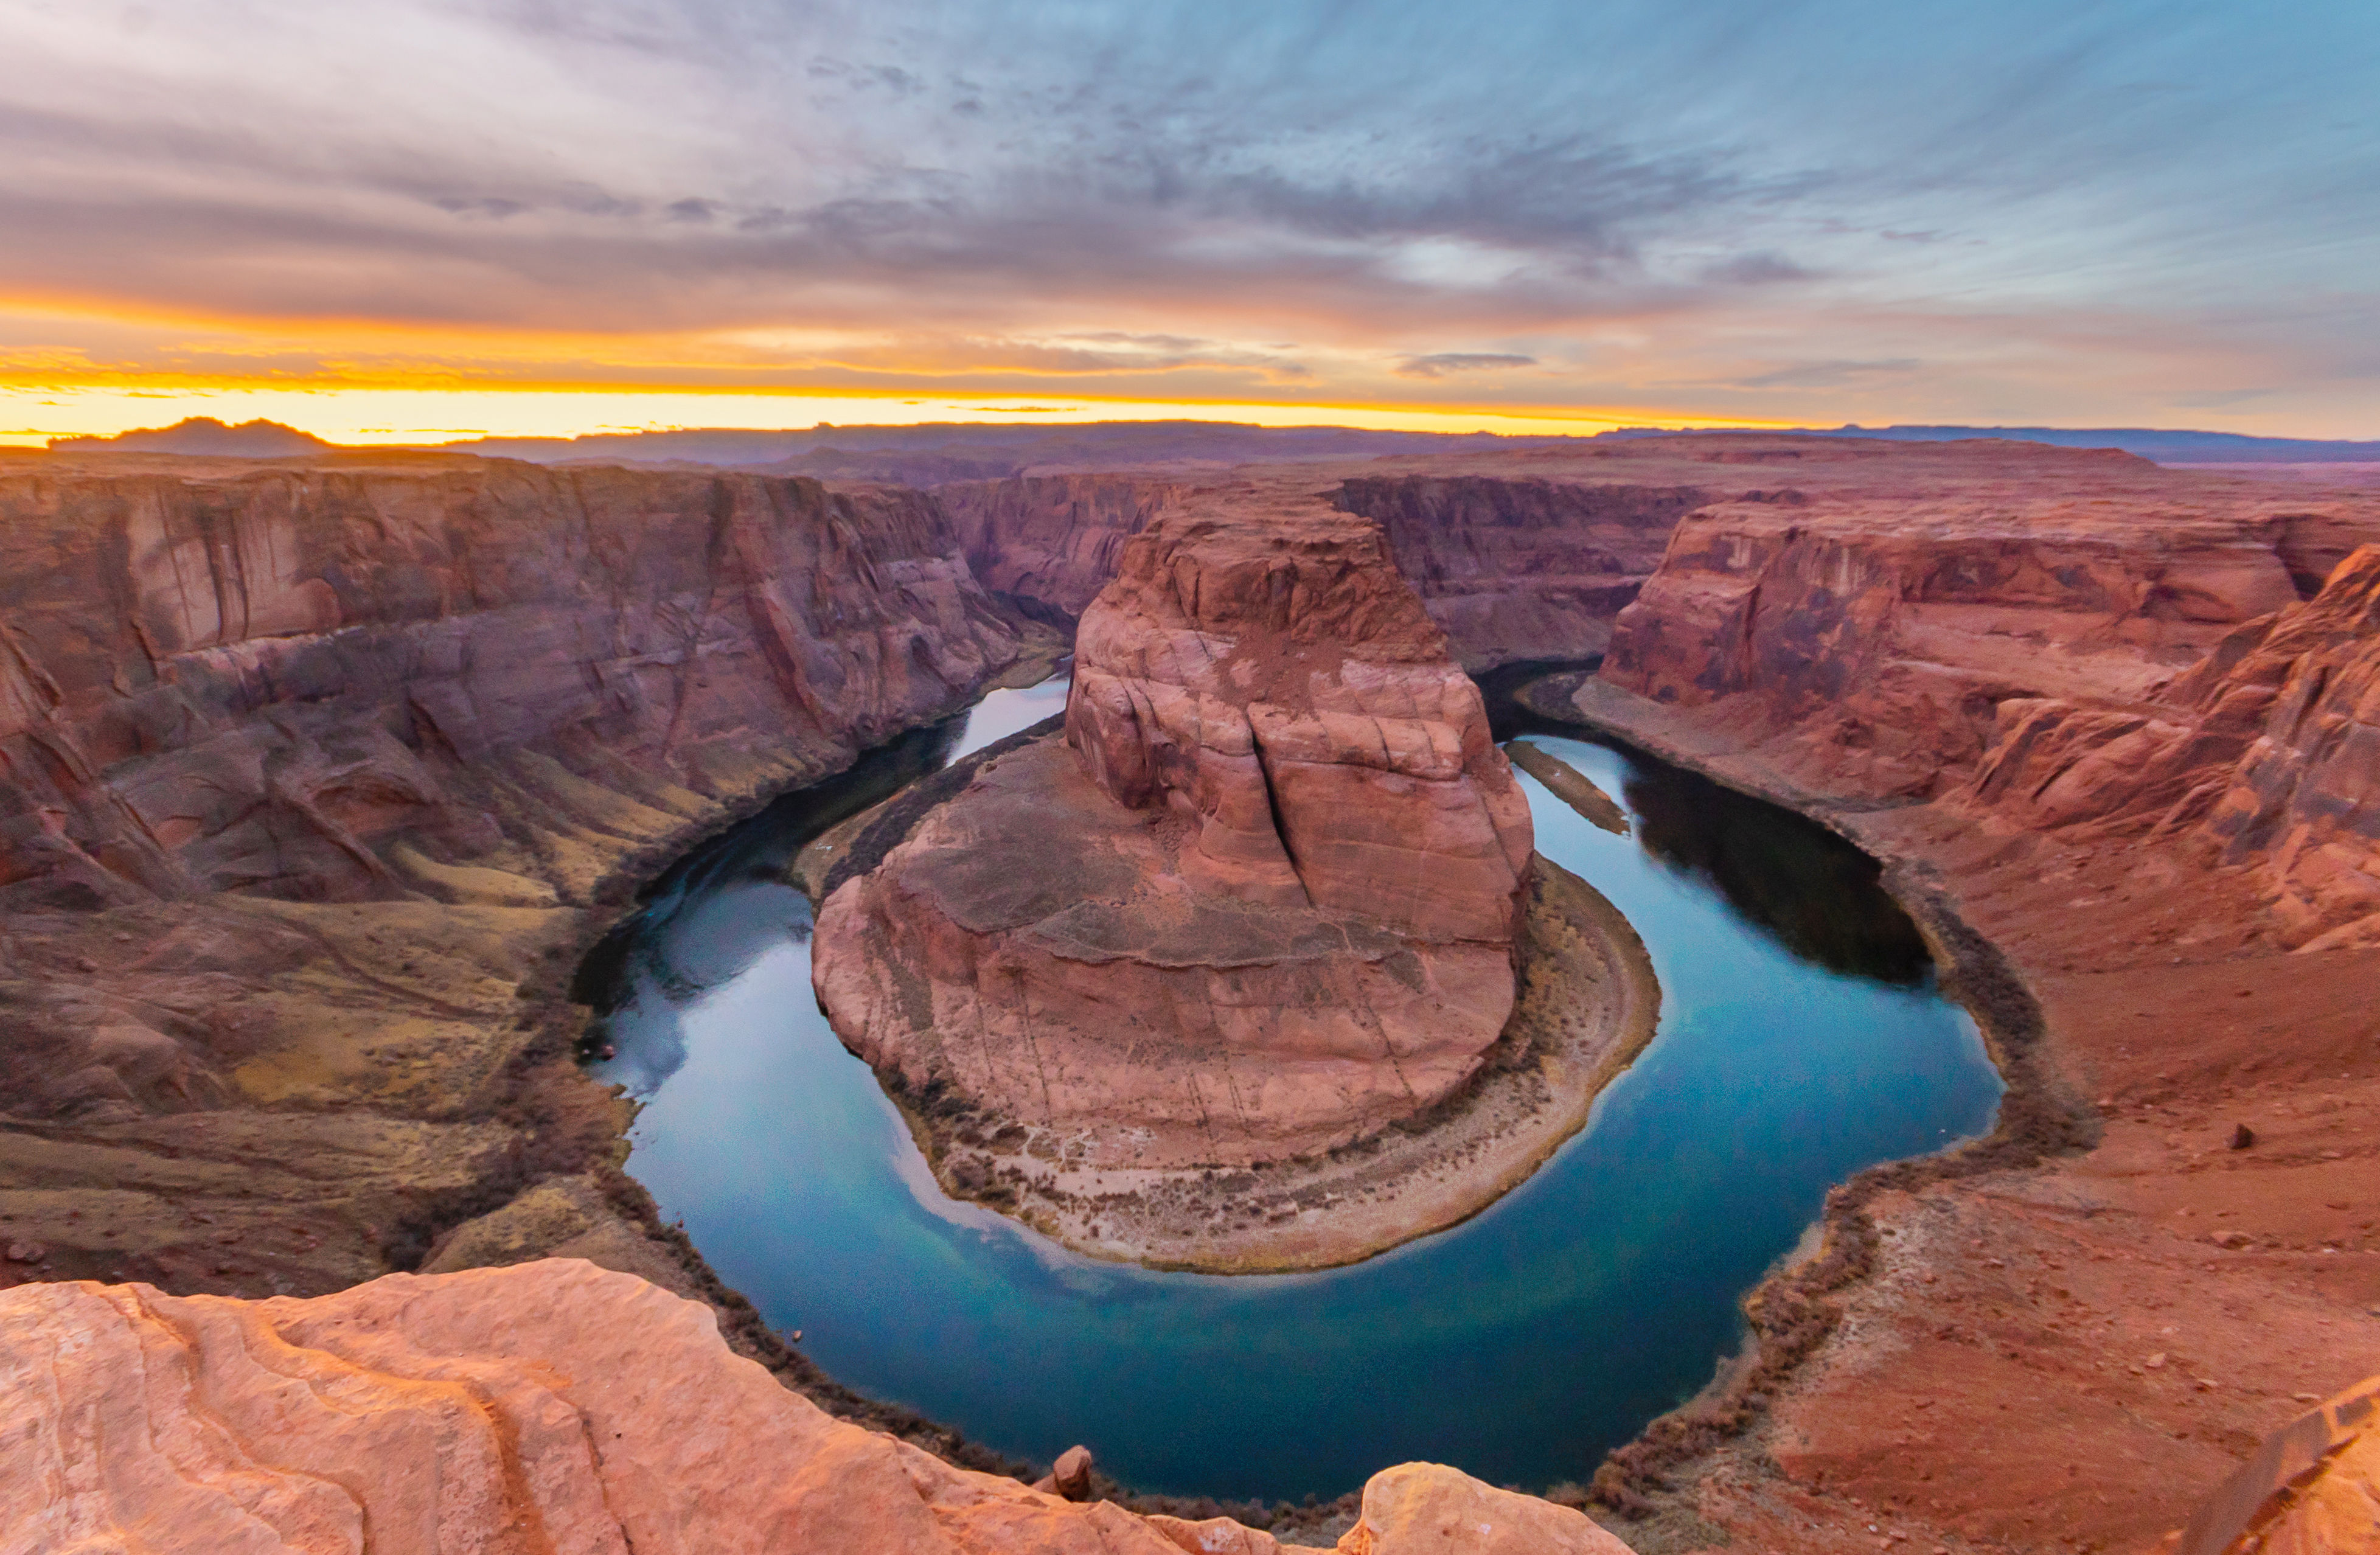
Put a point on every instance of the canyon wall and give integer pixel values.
(313, 777)
(265, 682)
(1048, 543)
(2268, 748)
(2118, 662)
(1519, 570)
(1511, 567)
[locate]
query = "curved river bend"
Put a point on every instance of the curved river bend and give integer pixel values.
(1801, 1040)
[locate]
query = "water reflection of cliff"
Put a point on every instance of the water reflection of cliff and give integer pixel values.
(1807, 888)
(756, 850)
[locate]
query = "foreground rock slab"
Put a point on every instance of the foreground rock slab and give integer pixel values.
(551, 1407)
(2311, 1489)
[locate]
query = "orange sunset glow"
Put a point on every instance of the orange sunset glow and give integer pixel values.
(396, 224)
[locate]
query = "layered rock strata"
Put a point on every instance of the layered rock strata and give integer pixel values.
(313, 776)
(2268, 750)
(2107, 734)
(1260, 903)
(293, 663)
(1048, 543)
(1522, 569)
(1884, 639)
(553, 1407)
(1511, 566)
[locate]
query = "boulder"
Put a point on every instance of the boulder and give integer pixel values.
(1428, 1509)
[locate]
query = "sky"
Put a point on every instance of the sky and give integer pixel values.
(421, 218)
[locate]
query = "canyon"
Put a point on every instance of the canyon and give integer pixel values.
(320, 774)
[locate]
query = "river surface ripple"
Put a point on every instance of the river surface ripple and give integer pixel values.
(1801, 1040)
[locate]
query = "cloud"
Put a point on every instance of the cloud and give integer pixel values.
(1754, 270)
(1643, 194)
(1825, 375)
(1443, 362)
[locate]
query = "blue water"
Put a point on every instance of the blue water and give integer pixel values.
(1520, 1345)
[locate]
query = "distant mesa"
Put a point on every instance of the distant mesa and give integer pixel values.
(205, 436)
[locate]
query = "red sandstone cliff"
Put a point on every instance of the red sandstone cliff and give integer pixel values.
(1511, 566)
(1264, 905)
(308, 778)
(1050, 542)
(1257, 675)
(1878, 636)
(2116, 656)
(1522, 569)
(268, 681)
(2269, 748)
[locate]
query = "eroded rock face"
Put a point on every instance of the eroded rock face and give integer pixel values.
(1519, 569)
(553, 1406)
(267, 681)
(1050, 542)
(550, 1407)
(2269, 746)
(1282, 685)
(1885, 635)
(312, 775)
(1260, 903)
(1428, 1509)
(1511, 566)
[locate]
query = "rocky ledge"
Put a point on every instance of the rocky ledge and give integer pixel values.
(550, 1407)
(1263, 901)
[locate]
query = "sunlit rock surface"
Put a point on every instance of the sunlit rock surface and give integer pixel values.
(1261, 902)
(553, 1408)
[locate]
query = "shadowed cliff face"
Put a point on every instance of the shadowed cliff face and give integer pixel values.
(310, 776)
(1049, 544)
(1521, 569)
(267, 682)
(1509, 569)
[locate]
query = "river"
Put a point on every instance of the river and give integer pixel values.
(1801, 1040)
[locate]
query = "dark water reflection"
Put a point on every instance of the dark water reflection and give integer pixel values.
(1790, 878)
(1798, 1044)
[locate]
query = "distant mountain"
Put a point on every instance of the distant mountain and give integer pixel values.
(2164, 447)
(965, 450)
(932, 453)
(936, 452)
(202, 435)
